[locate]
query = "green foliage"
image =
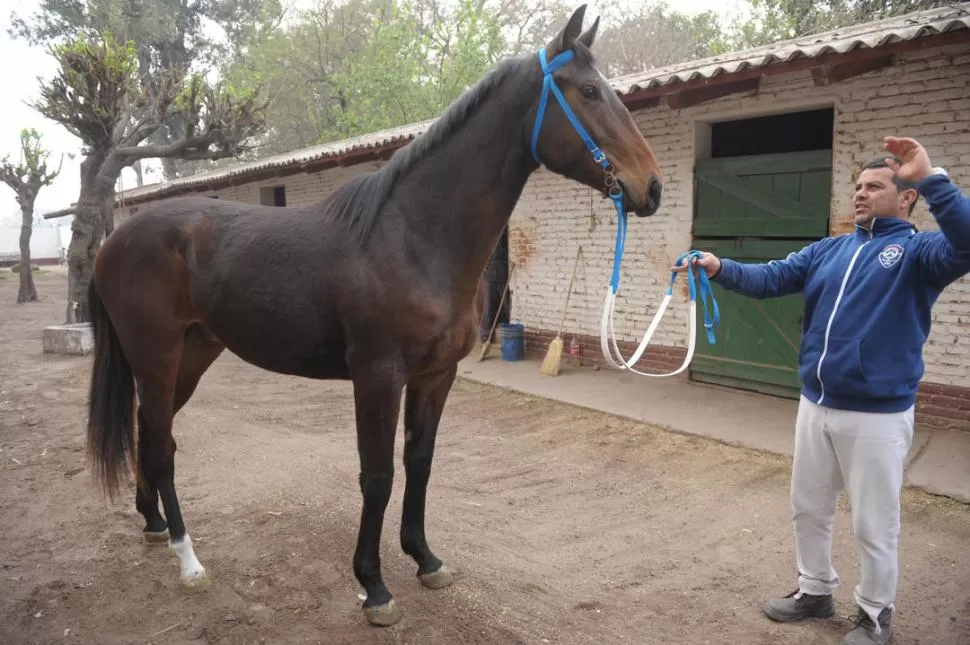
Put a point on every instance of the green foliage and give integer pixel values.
(96, 77)
(347, 67)
(409, 71)
(170, 31)
(655, 36)
(474, 46)
(774, 20)
(99, 95)
(385, 84)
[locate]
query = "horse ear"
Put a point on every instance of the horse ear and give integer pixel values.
(588, 36)
(564, 40)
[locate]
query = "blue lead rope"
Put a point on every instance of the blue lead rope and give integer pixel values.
(710, 321)
(620, 245)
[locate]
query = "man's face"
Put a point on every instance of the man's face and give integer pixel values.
(876, 196)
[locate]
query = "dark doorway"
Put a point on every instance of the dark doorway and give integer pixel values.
(494, 278)
(764, 135)
(272, 196)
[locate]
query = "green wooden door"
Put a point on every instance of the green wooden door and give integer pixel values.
(756, 209)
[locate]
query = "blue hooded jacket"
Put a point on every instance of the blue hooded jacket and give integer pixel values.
(868, 300)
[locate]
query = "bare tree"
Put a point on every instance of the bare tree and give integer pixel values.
(168, 34)
(25, 179)
(100, 96)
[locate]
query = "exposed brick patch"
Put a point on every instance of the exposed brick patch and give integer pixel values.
(943, 406)
(521, 245)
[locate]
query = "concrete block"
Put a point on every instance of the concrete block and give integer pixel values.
(76, 338)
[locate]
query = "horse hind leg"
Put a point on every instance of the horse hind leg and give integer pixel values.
(161, 399)
(146, 494)
(199, 351)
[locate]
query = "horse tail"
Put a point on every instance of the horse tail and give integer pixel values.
(111, 423)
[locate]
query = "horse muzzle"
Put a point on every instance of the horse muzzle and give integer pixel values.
(646, 205)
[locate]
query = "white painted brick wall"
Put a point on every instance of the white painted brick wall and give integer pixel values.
(554, 214)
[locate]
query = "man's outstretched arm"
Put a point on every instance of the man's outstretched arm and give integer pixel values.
(760, 280)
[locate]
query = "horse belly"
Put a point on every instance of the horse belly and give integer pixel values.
(283, 344)
(319, 364)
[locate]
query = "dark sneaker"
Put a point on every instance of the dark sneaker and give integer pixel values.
(792, 607)
(865, 631)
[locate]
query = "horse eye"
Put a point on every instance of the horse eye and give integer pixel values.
(589, 92)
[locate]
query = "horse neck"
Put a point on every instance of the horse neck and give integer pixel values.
(462, 195)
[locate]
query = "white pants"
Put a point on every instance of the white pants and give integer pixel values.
(864, 453)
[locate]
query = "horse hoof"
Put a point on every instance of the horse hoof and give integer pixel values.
(383, 615)
(156, 537)
(195, 582)
(437, 579)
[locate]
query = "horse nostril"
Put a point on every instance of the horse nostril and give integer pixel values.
(654, 192)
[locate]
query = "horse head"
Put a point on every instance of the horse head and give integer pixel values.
(582, 130)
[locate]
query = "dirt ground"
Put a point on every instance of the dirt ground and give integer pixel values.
(562, 525)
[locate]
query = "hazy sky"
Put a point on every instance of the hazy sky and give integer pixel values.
(23, 64)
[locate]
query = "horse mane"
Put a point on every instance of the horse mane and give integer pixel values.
(358, 201)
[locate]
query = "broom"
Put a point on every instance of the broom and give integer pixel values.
(550, 366)
(487, 345)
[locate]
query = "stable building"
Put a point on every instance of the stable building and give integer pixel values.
(760, 150)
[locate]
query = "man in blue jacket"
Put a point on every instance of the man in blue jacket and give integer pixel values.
(868, 299)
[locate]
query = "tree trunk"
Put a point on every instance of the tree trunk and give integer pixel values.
(86, 232)
(93, 219)
(139, 178)
(108, 212)
(27, 292)
(170, 168)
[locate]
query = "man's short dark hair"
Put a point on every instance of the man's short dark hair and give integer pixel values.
(901, 184)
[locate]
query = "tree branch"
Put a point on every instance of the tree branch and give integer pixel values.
(176, 149)
(124, 120)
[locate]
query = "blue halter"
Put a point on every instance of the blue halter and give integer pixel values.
(613, 187)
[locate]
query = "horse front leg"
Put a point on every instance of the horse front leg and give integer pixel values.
(423, 405)
(377, 399)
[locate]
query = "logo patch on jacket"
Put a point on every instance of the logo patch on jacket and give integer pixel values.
(890, 255)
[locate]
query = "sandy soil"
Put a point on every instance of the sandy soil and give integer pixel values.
(562, 525)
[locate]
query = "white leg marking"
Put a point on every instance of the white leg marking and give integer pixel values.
(192, 572)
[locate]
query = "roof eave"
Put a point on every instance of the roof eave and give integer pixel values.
(644, 97)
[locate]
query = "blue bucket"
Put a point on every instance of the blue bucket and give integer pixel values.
(512, 339)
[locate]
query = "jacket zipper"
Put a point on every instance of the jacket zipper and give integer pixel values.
(835, 308)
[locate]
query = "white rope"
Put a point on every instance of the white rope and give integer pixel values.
(608, 336)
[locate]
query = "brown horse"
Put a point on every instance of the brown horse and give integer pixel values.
(375, 284)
